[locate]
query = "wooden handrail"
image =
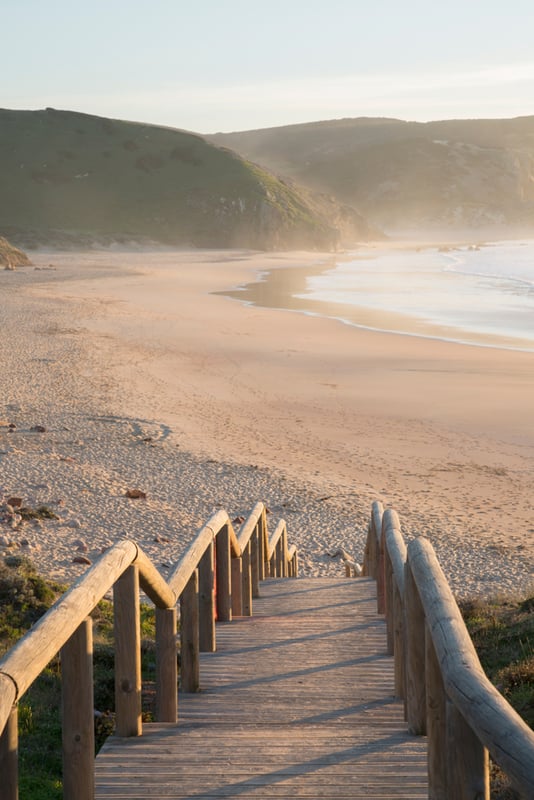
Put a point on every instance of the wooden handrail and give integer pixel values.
(153, 584)
(372, 547)
(395, 546)
(494, 722)
(438, 673)
(394, 565)
(280, 560)
(124, 567)
(180, 575)
(276, 536)
(374, 564)
(28, 658)
(249, 526)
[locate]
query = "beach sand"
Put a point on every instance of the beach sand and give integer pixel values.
(144, 378)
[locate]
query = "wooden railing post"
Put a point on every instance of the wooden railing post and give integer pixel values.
(127, 654)
(166, 666)
(206, 601)
(366, 554)
(189, 637)
(9, 758)
(395, 552)
(375, 530)
(415, 656)
(264, 549)
(246, 581)
(399, 646)
(467, 760)
(372, 549)
(236, 566)
(78, 714)
(381, 569)
(256, 560)
(295, 565)
(436, 702)
(279, 558)
(388, 589)
(271, 566)
(224, 575)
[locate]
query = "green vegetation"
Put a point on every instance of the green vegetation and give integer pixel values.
(41, 512)
(24, 598)
(456, 173)
(72, 180)
(503, 633)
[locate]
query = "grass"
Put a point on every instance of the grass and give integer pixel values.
(41, 512)
(404, 175)
(24, 598)
(502, 631)
(503, 634)
(70, 178)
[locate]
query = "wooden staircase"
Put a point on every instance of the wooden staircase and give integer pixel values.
(295, 692)
(296, 702)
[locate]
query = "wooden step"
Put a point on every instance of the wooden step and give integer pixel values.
(296, 702)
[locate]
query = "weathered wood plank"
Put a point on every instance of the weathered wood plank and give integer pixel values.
(78, 713)
(166, 665)
(126, 629)
(298, 701)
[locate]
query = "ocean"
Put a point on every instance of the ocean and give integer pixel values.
(480, 295)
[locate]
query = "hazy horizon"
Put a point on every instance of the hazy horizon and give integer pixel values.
(243, 65)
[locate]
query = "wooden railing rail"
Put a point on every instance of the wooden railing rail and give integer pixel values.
(394, 566)
(447, 695)
(251, 540)
(217, 577)
(373, 563)
(280, 562)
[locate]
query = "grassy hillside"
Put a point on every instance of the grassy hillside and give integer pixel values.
(70, 178)
(457, 173)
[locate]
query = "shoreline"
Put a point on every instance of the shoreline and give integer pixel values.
(288, 289)
(142, 376)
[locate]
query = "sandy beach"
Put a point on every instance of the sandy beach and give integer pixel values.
(144, 376)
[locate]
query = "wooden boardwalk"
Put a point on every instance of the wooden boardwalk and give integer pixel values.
(296, 702)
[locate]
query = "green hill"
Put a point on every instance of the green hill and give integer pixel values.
(75, 179)
(456, 173)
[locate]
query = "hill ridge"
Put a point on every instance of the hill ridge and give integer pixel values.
(71, 177)
(396, 173)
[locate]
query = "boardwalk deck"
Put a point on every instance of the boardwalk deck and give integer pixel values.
(296, 702)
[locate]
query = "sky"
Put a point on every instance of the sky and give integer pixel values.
(226, 65)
